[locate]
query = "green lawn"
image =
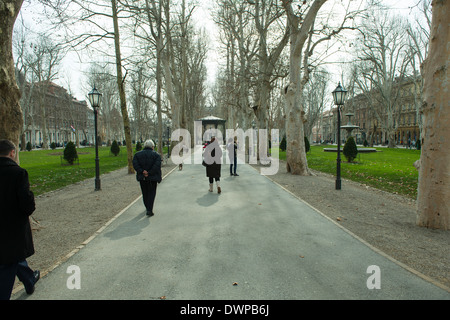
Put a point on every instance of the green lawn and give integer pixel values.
(390, 170)
(47, 172)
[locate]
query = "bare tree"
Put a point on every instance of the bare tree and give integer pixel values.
(385, 60)
(266, 14)
(315, 99)
(433, 193)
(22, 69)
(93, 16)
(103, 75)
(238, 34)
(304, 41)
(299, 32)
(419, 37)
(11, 120)
(121, 86)
(44, 62)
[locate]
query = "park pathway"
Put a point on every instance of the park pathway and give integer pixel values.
(255, 241)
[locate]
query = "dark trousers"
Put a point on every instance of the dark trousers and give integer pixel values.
(211, 179)
(235, 165)
(148, 189)
(8, 274)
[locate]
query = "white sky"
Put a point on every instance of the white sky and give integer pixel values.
(71, 70)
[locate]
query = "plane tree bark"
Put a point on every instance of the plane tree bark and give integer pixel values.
(11, 120)
(433, 193)
(121, 87)
(296, 161)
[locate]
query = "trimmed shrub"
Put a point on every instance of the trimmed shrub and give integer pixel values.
(138, 146)
(53, 146)
(70, 152)
(28, 147)
(307, 145)
(115, 149)
(350, 149)
(283, 144)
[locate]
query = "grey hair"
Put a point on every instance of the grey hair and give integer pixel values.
(149, 144)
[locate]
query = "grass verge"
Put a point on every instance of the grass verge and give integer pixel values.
(388, 169)
(48, 171)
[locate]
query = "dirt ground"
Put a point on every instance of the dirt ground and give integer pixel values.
(383, 220)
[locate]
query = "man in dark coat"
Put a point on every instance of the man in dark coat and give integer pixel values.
(16, 242)
(147, 164)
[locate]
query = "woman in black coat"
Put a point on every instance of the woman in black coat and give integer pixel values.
(16, 242)
(213, 161)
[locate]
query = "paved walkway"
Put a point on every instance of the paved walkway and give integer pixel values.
(253, 241)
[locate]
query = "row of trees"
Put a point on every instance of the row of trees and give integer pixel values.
(255, 34)
(159, 67)
(264, 80)
(390, 51)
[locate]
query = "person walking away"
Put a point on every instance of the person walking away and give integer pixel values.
(213, 160)
(16, 241)
(183, 151)
(147, 164)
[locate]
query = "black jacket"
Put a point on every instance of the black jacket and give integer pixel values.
(149, 160)
(210, 156)
(16, 205)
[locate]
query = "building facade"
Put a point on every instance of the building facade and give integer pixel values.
(52, 115)
(373, 124)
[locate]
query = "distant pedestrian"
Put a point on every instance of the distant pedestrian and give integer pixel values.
(147, 164)
(183, 151)
(213, 163)
(232, 148)
(16, 240)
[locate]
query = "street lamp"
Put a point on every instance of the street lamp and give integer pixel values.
(339, 95)
(95, 99)
(168, 142)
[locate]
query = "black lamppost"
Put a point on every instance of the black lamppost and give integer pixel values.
(168, 142)
(95, 99)
(339, 95)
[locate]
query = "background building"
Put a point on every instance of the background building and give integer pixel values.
(372, 117)
(52, 115)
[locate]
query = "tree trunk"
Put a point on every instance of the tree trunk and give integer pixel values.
(121, 85)
(158, 101)
(11, 120)
(433, 210)
(296, 161)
